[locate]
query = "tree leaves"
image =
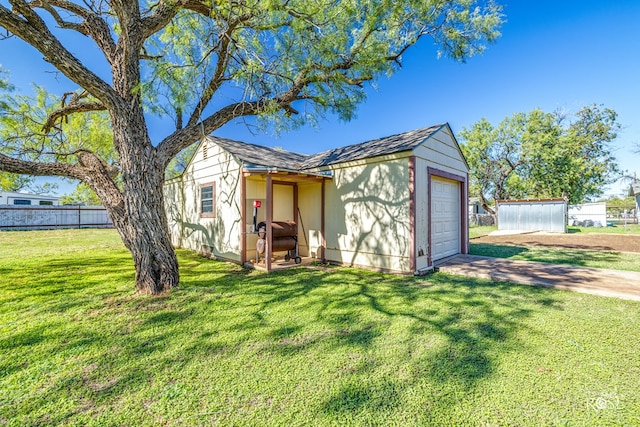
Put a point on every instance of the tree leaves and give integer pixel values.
(543, 155)
(81, 195)
(24, 135)
(309, 58)
(213, 62)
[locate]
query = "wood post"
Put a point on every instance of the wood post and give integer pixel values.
(269, 214)
(243, 219)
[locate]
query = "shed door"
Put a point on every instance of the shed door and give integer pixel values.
(445, 218)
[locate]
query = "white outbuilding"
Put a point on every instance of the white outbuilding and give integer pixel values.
(26, 199)
(395, 204)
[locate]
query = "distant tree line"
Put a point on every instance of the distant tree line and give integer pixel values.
(542, 155)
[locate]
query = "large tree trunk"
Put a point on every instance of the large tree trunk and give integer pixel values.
(137, 212)
(146, 235)
(140, 218)
(142, 224)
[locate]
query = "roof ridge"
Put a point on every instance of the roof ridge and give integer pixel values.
(280, 158)
(375, 147)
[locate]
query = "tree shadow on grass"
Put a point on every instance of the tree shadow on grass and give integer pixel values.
(471, 320)
(428, 331)
(70, 277)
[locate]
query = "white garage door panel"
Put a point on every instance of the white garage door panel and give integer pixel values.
(445, 218)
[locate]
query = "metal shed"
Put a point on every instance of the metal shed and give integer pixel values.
(532, 215)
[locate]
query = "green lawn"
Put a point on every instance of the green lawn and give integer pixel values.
(617, 229)
(584, 258)
(300, 347)
(481, 230)
(478, 231)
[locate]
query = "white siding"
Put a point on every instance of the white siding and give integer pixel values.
(367, 215)
(220, 235)
(174, 208)
(10, 197)
(442, 153)
(310, 220)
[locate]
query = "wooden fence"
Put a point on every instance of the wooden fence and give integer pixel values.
(52, 217)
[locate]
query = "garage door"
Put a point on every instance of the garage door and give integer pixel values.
(445, 218)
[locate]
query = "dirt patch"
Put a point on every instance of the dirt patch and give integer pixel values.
(613, 283)
(598, 242)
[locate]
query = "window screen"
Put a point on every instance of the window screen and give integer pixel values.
(207, 199)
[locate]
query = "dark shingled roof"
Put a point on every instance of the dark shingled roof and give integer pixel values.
(269, 157)
(377, 147)
(259, 155)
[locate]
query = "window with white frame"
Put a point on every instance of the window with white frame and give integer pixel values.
(208, 200)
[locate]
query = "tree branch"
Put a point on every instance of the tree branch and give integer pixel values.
(71, 108)
(164, 11)
(218, 76)
(200, 7)
(9, 164)
(27, 25)
(90, 169)
(184, 137)
(92, 25)
(22, 8)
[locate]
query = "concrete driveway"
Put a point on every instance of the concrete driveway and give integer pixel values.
(611, 283)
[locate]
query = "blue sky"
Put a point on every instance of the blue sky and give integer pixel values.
(562, 54)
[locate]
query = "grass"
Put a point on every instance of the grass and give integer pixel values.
(299, 347)
(617, 229)
(585, 258)
(481, 230)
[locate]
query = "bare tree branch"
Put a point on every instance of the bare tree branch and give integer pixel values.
(92, 25)
(217, 79)
(200, 7)
(27, 25)
(71, 108)
(182, 138)
(10, 164)
(164, 11)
